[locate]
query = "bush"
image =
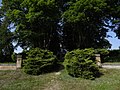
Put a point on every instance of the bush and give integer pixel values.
(114, 53)
(39, 61)
(81, 63)
(102, 51)
(112, 59)
(113, 56)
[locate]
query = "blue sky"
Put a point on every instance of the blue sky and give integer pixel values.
(0, 2)
(114, 41)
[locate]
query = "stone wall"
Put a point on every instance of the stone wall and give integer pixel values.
(12, 66)
(8, 67)
(19, 62)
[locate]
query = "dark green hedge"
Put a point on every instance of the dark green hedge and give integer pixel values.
(81, 63)
(39, 61)
(113, 56)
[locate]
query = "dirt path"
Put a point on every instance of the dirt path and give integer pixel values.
(53, 84)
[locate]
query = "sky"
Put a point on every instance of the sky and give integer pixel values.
(0, 2)
(113, 40)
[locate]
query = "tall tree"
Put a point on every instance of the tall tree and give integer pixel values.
(6, 47)
(114, 9)
(71, 23)
(84, 24)
(36, 23)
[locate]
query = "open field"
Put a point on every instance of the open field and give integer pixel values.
(17, 80)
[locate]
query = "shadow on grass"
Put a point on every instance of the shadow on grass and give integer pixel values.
(47, 69)
(87, 75)
(55, 68)
(99, 74)
(59, 67)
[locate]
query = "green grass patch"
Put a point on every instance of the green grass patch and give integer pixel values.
(18, 80)
(8, 63)
(112, 63)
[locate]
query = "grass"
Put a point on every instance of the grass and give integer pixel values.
(112, 63)
(8, 63)
(18, 80)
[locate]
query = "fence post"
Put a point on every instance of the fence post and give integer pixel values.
(98, 60)
(19, 61)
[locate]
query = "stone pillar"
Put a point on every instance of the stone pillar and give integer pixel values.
(98, 60)
(19, 61)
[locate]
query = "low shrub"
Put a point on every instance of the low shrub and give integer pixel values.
(112, 59)
(81, 63)
(113, 56)
(102, 51)
(114, 53)
(39, 61)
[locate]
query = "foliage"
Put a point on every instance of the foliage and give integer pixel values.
(47, 24)
(39, 61)
(113, 56)
(112, 59)
(80, 63)
(14, 57)
(114, 10)
(6, 47)
(114, 53)
(102, 51)
(85, 24)
(35, 22)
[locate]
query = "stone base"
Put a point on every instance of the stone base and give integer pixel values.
(8, 68)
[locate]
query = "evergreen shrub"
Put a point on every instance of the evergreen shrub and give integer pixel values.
(81, 63)
(39, 61)
(102, 51)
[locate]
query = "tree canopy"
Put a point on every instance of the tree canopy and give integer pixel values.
(55, 24)
(6, 47)
(36, 22)
(85, 24)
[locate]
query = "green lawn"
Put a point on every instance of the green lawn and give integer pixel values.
(7, 63)
(112, 63)
(17, 80)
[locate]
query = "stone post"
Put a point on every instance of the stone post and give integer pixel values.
(98, 60)
(19, 61)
